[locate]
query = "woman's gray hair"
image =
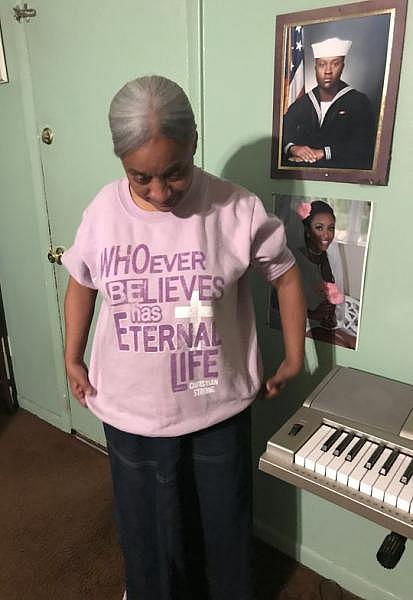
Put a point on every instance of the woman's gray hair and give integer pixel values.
(146, 106)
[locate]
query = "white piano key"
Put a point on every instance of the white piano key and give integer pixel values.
(366, 484)
(396, 486)
(311, 443)
(328, 456)
(404, 501)
(360, 470)
(383, 482)
(314, 455)
(334, 466)
(348, 466)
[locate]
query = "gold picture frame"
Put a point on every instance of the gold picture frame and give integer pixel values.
(349, 138)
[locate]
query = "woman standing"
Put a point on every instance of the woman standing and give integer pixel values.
(175, 364)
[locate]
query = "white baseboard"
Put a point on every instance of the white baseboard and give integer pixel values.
(351, 582)
(60, 421)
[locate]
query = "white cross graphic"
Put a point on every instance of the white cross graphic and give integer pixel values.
(194, 311)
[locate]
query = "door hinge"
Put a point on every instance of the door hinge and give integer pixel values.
(24, 12)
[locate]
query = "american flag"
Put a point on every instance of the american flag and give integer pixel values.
(294, 66)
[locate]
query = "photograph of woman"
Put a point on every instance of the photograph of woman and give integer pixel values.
(331, 268)
(321, 270)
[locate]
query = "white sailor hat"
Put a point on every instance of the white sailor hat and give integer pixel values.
(331, 47)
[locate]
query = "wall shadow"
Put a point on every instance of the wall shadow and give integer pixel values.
(276, 504)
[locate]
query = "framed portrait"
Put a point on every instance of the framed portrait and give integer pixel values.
(335, 89)
(3, 69)
(329, 239)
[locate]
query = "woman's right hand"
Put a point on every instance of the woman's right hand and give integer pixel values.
(80, 385)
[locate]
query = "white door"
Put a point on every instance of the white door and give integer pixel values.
(80, 54)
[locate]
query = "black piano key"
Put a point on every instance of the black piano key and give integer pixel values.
(389, 462)
(374, 457)
(343, 445)
(355, 449)
(331, 440)
(407, 475)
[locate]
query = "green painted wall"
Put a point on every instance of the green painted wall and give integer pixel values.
(236, 111)
(238, 75)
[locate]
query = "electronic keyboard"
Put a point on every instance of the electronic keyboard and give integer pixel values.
(352, 443)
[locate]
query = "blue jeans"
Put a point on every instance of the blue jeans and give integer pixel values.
(183, 508)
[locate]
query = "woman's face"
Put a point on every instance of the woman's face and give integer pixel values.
(159, 172)
(322, 229)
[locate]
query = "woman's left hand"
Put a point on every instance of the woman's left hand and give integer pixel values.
(277, 382)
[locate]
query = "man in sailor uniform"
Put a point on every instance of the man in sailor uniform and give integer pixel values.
(332, 126)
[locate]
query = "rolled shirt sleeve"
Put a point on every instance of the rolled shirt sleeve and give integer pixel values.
(77, 260)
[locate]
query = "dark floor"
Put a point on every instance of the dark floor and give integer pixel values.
(58, 541)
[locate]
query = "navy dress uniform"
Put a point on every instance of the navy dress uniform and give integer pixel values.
(344, 127)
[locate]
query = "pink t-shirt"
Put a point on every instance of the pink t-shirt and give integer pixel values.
(175, 347)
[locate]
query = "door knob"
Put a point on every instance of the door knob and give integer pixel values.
(47, 136)
(55, 256)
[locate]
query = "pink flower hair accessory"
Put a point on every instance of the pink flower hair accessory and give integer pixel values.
(333, 293)
(303, 210)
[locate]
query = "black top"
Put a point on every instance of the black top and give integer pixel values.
(347, 129)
